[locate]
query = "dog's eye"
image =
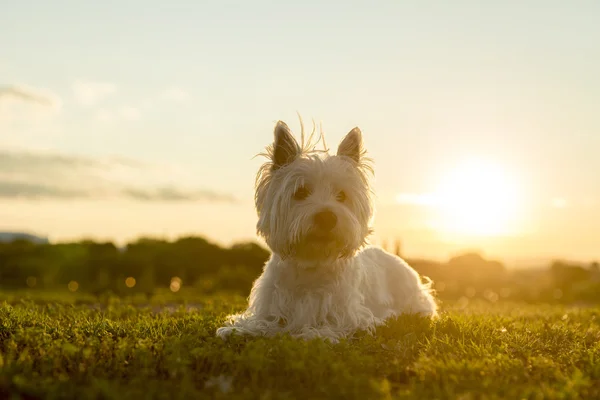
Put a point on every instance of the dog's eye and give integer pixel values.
(301, 193)
(341, 196)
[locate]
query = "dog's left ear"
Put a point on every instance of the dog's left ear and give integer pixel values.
(285, 147)
(352, 145)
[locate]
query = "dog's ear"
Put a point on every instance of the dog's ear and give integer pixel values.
(285, 147)
(352, 145)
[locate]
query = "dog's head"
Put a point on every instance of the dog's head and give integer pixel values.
(314, 207)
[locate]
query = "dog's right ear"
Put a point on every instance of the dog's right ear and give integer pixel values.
(285, 147)
(352, 145)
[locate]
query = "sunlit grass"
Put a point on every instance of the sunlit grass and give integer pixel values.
(77, 346)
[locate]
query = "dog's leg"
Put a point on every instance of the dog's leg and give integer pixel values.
(417, 296)
(402, 284)
(257, 319)
(234, 326)
(249, 324)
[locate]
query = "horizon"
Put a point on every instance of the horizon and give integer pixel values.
(142, 119)
(389, 244)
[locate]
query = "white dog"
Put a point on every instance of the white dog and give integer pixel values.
(322, 280)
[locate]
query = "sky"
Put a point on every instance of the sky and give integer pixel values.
(130, 118)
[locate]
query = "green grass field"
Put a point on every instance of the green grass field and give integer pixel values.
(78, 347)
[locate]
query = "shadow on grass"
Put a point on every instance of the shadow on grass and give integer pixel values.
(351, 367)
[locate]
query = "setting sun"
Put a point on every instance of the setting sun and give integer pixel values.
(477, 199)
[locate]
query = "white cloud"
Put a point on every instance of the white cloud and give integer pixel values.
(176, 94)
(27, 95)
(89, 93)
(28, 116)
(129, 113)
(50, 175)
(104, 115)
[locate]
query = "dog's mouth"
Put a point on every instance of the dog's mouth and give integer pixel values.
(320, 237)
(319, 245)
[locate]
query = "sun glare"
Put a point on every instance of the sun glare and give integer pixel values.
(477, 199)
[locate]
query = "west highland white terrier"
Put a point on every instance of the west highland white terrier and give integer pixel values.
(322, 279)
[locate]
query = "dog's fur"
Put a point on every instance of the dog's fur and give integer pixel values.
(322, 280)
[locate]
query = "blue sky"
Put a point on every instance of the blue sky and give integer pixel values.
(190, 92)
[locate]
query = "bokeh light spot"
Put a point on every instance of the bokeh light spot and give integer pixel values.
(73, 286)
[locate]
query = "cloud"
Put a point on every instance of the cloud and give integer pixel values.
(129, 113)
(23, 163)
(173, 194)
(24, 190)
(10, 189)
(149, 105)
(57, 176)
(89, 93)
(104, 115)
(24, 94)
(176, 94)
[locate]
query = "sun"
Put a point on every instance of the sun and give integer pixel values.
(477, 198)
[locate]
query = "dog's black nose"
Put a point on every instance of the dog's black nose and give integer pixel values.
(325, 220)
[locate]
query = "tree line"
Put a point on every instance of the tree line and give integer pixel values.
(198, 264)
(141, 266)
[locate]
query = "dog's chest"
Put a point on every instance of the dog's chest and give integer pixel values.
(317, 293)
(313, 281)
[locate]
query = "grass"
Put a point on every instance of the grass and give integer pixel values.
(59, 346)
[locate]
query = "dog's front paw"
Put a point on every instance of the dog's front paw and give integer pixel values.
(225, 332)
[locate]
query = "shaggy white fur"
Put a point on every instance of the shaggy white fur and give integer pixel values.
(322, 280)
